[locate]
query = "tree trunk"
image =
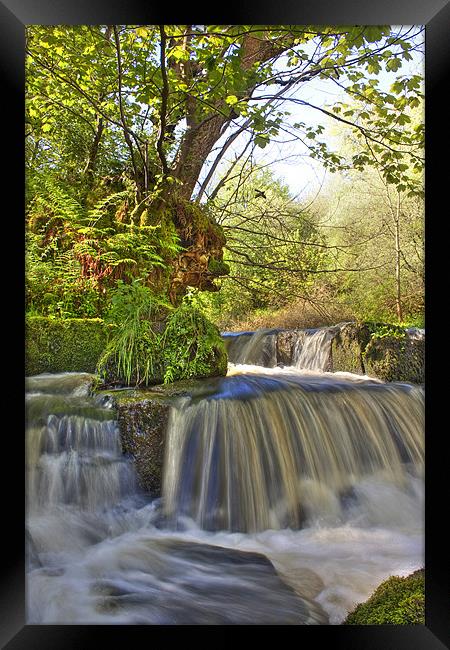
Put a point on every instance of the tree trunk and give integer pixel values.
(201, 136)
(397, 262)
(89, 169)
(201, 261)
(194, 150)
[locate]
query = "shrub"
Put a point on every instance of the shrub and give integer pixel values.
(133, 355)
(192, 346)
(155, 342)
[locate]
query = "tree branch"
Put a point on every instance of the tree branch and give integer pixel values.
(164, 99)
(122, 113)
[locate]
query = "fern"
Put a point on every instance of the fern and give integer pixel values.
(103, 206)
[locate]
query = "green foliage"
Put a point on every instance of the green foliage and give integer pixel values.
(135, 349)
(72, 82)
(154, 342)
(76, 255)
(397, 601)
(192, 346)
(95, 172)
(54, 286)
(381, 330)
(69, 345)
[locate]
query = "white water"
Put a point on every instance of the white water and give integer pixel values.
(110, 561)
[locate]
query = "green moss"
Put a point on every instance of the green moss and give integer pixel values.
(63, 345)
(143, 426)
(218, 267)
(397, 601)
(193, 220)
(392, 358)
(347, 347)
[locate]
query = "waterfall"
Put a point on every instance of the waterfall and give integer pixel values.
(74, 455)
(313, 348)
(274, 450)
(252, 348)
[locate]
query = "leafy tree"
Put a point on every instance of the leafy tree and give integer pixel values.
(379, 233)
(389, 244)
(139, 109)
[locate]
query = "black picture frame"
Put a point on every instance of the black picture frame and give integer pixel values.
(14, 16)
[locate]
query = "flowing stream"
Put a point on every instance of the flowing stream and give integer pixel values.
(289, 494)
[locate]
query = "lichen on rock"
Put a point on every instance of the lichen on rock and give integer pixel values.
(347, 348)
(396, 359)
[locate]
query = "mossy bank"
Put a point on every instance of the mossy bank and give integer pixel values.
(63, 345)
(183, 346)
(397, 601)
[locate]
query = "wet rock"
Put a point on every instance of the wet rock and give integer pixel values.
(202, 584)
(142, 425)
(396, 359)
(142, 416)
(286, 340)
(347, 348)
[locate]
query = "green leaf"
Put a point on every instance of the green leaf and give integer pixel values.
(393, 64)
(142, 32)
(261, 140)
(374, 33)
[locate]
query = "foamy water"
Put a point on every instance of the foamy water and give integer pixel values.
(102, 553)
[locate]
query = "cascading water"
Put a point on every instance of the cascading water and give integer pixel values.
(321, 473)
(252, 348)
(73, 449)
(312, 349)
(269, 451)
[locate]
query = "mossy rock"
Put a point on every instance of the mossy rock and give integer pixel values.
(286, 340)
(347, 348)
(397, 601)
(188, 346)
(63, 345)
(396, 359)
(142, 425)
(142, 415)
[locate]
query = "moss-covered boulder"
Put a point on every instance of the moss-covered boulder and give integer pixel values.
(63, 345)
(396, 359)
(397, 601)
(187, 345)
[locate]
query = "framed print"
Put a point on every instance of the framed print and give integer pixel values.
(262, 454)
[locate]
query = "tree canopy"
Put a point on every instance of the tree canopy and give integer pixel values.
(129, 134)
